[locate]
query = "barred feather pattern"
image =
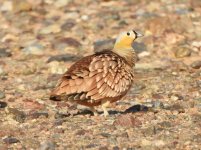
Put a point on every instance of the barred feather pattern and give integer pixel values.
(104, 75)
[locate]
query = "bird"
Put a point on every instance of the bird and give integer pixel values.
(101, 78)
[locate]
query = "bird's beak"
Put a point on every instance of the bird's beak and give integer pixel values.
(138, 34)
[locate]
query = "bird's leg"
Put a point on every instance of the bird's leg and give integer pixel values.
(94, 111)
(104, 105)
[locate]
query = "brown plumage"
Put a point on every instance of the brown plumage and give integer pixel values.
(102, 78)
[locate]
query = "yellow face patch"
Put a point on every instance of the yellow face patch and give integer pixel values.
(124, 42)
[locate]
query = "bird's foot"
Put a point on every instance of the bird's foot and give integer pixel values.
(104, 105)
(94, 111)
(105, 113)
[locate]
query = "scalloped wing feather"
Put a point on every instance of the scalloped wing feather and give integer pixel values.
(95, 77)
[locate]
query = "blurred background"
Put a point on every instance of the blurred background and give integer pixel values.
(48, 28)
(40, 39)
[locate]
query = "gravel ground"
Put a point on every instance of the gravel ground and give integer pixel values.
(40, 39)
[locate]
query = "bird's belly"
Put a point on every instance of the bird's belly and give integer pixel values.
(91, 103)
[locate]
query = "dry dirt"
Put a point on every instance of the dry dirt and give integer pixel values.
(40, 39)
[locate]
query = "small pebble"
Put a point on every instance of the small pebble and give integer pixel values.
(66, 57)
(181, 52)
(145, 142)
(61, 116)
(92, 145)
(196, 43)
(34, 49)
(143, 54)
(157, 104)
(6, 6)
(35, 115)
(1, 70)
(58, 122)
(127, 120)
(81, 132)
(159, 143)
(85, 17)
(61, 3)
(21, 5)
(47, 145)
(174, 73)
(157, 96)
(137, 88)
(141, 49)
(165, 124)
(3, 104)
(2, 95)
(136, 108)
(103, 148)
(5, 53)
(101, 45)
(116, 148)
(56, 68)
(63, 43)
(174, 97)
(55, 28)
(176, 108)
(69, 24)
(18, 115)
(196, 64)
(11, 140)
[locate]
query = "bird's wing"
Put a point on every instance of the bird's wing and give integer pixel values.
(112, 76)
(74, 81)
(95, 77)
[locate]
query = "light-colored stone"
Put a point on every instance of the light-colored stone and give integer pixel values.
(34, 49)
(61, 3)
(56, 68)
(54, 28)
(145, 142)
(159, 143)
(21, 5)
(181, 52)
(6, 6)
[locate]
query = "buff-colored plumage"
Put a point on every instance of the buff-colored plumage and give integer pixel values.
(102, 78)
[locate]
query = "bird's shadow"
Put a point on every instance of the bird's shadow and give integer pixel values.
(132, 109)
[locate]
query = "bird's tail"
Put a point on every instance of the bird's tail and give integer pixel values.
(55, 98)
(54, 95)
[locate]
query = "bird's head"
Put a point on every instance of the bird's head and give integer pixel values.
(123, 46)
(125, 40)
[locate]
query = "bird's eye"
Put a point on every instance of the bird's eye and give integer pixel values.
(128, 33)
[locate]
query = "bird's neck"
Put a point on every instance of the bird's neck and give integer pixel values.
(127, 53)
